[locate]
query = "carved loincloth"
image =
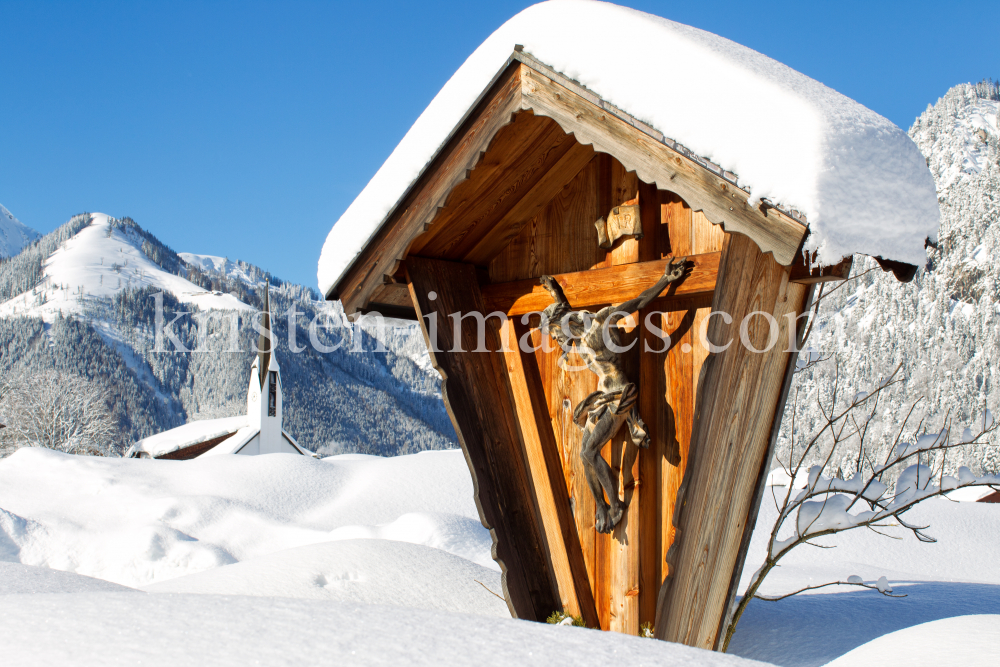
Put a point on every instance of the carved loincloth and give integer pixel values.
(591, 409)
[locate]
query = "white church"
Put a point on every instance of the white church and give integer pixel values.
(257, 432)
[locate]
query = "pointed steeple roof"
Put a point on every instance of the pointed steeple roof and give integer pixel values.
(264, 342)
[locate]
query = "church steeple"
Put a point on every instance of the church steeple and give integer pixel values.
(264, 392)
(264, 342)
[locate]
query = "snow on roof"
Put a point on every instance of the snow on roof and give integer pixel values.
(861, 182)
(192, 433)
(235, 443)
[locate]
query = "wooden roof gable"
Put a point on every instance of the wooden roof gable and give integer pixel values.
(531, 132)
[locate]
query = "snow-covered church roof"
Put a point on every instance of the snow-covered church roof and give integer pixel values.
(859, 180)
(188, 435)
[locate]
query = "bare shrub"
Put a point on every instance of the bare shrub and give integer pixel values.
(60, 411)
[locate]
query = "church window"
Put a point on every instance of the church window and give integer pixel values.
(272, 394)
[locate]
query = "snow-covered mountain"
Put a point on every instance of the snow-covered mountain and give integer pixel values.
(88, 291)
(14, 234)
(944, 327)
(98, 262)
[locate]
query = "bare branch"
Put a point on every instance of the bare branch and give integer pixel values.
(888, 592)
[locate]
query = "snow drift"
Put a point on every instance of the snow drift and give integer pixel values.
(142, 521)
(153, 630)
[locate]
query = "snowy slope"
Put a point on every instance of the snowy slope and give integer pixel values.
(788, 137)
(18, 579)
(404, 531)
(364, 571)
(14, 234)
(96, 264)
(318, 543)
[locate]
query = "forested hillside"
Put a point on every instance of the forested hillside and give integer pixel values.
(82, 300)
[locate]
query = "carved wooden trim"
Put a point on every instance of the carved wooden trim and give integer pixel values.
(655, 162)
(383, 252)
(521, 87)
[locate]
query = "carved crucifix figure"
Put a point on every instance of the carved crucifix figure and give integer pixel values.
(600, 415)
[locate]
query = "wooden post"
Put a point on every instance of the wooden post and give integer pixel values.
(738, 396)
(547, 476)
(477, 395)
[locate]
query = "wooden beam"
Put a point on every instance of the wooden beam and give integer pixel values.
(805, 275)
(478, 397)
(779, 413)
(655, 162)
(737, 397)
(547, 475)
(586, 289)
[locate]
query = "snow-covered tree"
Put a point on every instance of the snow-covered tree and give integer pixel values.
(59, 411)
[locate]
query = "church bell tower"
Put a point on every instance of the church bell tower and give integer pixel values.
(264, 392)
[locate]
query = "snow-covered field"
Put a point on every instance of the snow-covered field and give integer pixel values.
(284, 559)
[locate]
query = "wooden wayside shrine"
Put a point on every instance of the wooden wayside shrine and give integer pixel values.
(520, 191)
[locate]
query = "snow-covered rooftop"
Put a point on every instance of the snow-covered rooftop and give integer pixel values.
(192, 433)
(860, 181)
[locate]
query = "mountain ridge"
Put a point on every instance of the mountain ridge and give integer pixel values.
(100, 277)
(14, 234)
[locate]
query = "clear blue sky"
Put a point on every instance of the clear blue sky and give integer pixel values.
(245, 129)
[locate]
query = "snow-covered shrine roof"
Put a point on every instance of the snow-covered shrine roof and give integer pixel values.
(858, 179)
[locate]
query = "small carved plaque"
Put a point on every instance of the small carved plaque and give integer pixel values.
(621, 221)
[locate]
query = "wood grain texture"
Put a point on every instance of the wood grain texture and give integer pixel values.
(648, 495)
(677, 386)
(388, 246)
(734, 582)
(705, 237)
(521, 156)
(654, 162)
(589, 289)
(561, 238)
(479, 400)
(676, 215)
(564, 389)
(624, 186)
(551, 183)
(546, 470)
(736, 401)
